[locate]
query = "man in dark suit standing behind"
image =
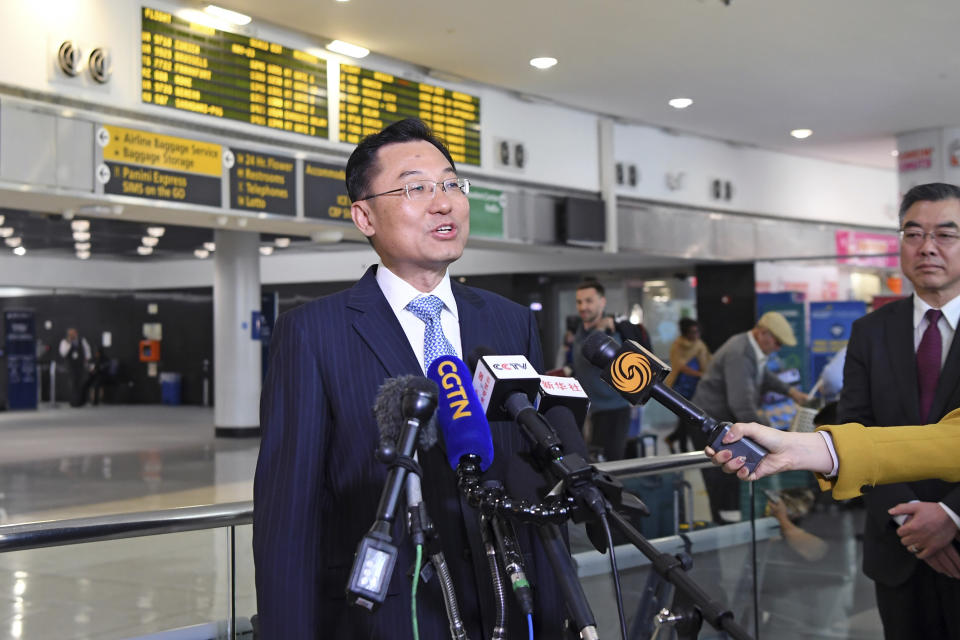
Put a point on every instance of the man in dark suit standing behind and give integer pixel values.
(903, 367)
(317, 482)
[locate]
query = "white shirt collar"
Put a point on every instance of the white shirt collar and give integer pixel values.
(761, 356)
(399, 292)
(951, 311)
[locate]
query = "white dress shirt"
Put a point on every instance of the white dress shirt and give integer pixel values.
(399, 293)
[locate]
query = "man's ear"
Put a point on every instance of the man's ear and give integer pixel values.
(362, 218)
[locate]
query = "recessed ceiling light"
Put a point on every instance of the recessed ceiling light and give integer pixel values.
(242, 222)
(347, 49)
(894, 153)
(233, 17)
(81, 236)
(156, 232)
(266, 251)
(144, 251)
(210, 246)
(543, 63)
(20, 251)
(800, 134)
(222, 220)
(82, 246)
(83, 255)
(282, 243)
(149, 241)
(80, 225)
(13, 242)
(6, 232)
(680, 103)
(201, 253)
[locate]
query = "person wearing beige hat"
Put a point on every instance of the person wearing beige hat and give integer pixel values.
(731, 389)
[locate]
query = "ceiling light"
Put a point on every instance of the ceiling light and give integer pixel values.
(282, 243)
(210, 246)
(144, 251)
(6, 232)
(894, 153)
(326, 237)
(800, 134)
(234, 17)
(83, 255)
(222, 220)
(265, 251)
(80, 225)
(81, 236)
(149, 241)
(19, 251)
(201, 253)
(13, 242)
(543, 63)
(680, 103)
(82, 246)
(242, 222)
(347, 49)
(156, 232)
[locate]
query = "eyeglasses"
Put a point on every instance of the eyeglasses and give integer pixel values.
(421, 190)
(915, 237)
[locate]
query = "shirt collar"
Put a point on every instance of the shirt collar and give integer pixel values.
(761, 356)
(951, 311)
(399, 292)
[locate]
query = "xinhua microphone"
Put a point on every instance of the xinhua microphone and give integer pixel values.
(376, 554)
(637, 375)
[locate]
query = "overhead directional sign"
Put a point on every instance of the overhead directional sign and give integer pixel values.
(144, 164)
(263, 182)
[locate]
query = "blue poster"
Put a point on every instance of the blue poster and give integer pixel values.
(789, 363)
(830, 324)
(21, 348)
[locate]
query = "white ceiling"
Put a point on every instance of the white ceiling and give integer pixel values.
(855, 71)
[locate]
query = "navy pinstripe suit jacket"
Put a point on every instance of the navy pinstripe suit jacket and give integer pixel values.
(317, 482)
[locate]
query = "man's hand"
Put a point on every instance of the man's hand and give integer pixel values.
(786, 451)
(927, 533)
(798, 396)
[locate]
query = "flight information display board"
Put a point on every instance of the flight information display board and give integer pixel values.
(196, 68)
(371, 100)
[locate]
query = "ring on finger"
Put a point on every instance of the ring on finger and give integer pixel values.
(914, 549)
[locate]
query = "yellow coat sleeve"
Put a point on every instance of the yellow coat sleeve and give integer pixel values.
(870, 456)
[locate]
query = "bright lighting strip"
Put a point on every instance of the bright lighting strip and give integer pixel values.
(347, 49)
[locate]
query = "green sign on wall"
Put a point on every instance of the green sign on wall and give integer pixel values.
(486, 212)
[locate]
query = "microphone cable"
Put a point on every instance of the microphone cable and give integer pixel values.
(616, 575)
(530, 626)
(413, 592)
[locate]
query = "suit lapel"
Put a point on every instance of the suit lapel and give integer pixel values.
(948, 386)
(473, 332)
(899, 340)
(378, 327)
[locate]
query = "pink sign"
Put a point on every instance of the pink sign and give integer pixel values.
(915, 159)
(868, 249)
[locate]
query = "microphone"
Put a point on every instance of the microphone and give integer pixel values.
(460, 415)
(566, 392)
(637, 375)
(466, 433)
(376, 554)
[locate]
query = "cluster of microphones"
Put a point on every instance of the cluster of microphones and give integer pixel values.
(460, 401)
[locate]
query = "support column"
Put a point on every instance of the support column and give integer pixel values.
(236, 355)
(608, 184)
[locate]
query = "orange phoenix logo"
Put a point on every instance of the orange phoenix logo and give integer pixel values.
(630, 372)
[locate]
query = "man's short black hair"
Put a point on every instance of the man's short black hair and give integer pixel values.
(363, 161)
(931, 192)
(591, 284)
(686, 324)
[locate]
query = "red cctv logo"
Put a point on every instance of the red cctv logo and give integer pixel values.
(510, 366)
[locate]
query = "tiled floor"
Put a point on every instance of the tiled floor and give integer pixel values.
(68, 463)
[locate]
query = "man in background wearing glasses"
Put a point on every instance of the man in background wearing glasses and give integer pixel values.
(903, 367)
(317, 482)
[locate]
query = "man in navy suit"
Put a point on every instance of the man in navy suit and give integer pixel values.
(317, 482)
(903, 367)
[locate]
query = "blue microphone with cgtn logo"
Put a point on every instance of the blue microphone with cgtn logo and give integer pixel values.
(459, 413)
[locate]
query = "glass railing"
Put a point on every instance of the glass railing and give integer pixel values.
(188, 572)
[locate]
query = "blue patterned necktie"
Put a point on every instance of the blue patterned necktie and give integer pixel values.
(435, 344)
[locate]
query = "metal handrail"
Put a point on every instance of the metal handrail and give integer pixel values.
(55, 533)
